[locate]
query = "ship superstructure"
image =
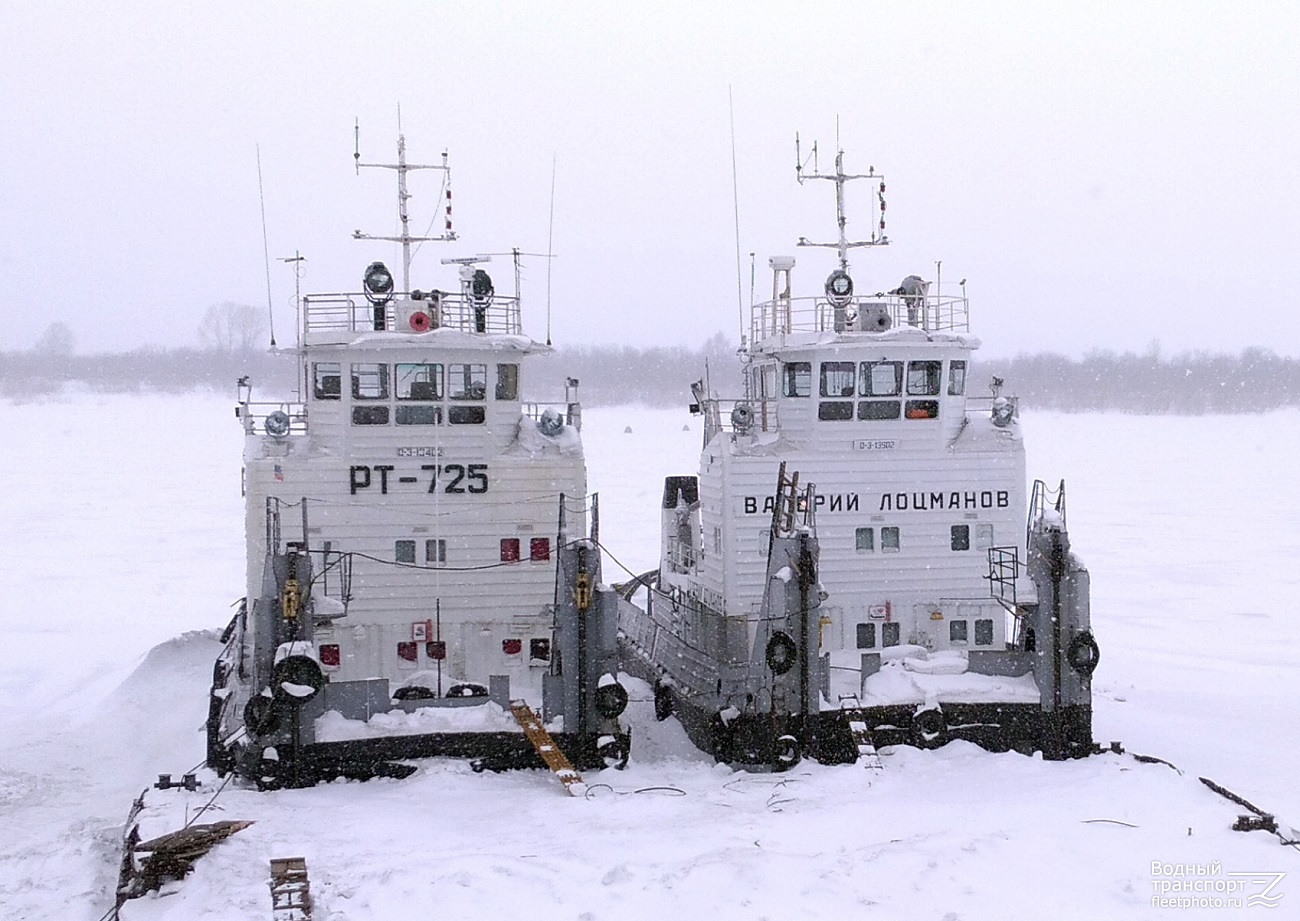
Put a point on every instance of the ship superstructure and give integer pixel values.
(408, 521)
(935, 599)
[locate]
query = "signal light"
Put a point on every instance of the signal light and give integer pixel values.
(329, 655)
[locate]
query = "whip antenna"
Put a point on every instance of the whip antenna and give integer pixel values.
(735, 201)
(266, 249)
(550, 234)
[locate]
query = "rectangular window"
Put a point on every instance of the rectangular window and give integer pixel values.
(467, 382)
(837, 378)
(864, 540)
(983, 633)
(512, 646)
(510, 550)
(370, 382)
(956, 631)
(889, 540)
(889, 634)
(796, 379)
(418, 415)
(327, 380)
(435, 551)
(923, 378)
(507, 382)
(539, 548)
(436, 650)
(408, 652)
(956, 378)
(834, 412)
(881, 379)
(419, 382)
(369, 415)
(539, 650)
(866, 636)
(923, 409)
(764, 542)
(404, 551)
(879, 409)
(961, 537)
(466, 415)
(983, 536)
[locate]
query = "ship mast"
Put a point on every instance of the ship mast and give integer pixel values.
(839, 177)
(402, 168)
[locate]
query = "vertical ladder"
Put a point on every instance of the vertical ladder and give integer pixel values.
(550, 753)
(861, 733)
(290, 889)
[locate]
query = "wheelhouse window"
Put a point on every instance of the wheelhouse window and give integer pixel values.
(467, 382)
(369, 382)
(881, 378)
(956, 378)
(923, 378)
(796, 379)
(370, 415)
(507, 382)
(923, 409)
(837, 379)
(327, 380)
(419, 382)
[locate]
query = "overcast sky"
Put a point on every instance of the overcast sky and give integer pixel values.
(1103, 175)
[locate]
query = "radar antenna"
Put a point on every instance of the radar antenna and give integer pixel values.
(839, 177)
(402, 168)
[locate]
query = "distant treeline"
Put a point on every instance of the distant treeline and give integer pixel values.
(1253, 381)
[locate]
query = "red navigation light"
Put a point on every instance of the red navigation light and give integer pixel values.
(329, 655)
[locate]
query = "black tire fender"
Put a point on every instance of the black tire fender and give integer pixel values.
(663, 701)
(781, 653)
(610, 699)
(1083, 654)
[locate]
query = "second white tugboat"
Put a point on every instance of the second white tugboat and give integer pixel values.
(419, 574)
(941, 615)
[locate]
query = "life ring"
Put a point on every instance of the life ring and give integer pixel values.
(781, 653)
(929, 726)
(1083, 653)
(611, 699)
(663, 701)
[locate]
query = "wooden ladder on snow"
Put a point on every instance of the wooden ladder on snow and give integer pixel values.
(290, 889)
(550, 753)
(851, 709)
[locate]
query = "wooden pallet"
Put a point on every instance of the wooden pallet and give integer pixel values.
(550, 753)
(290, 889)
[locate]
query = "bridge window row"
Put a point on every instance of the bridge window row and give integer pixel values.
(419, 388)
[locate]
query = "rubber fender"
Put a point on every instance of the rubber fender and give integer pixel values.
(1083, 654)
(301, 672)
(663, 701)
(261, 715)
(929, 727)
(610, 699)
(781, 653)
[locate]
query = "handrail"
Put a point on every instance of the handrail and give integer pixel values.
(353, 313)
(870, 314)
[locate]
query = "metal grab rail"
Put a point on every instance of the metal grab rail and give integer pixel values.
(718, 416)
(252, 416)
(497, 315)
(932, 313)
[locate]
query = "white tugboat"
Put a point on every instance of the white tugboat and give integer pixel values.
(419, 574)
(941, 615)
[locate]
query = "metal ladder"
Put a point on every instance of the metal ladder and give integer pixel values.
(290, 889)
(550, 753)
(868, 757)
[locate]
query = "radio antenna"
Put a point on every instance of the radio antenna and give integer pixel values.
(266, 249)
(550, 235)
(735, 202)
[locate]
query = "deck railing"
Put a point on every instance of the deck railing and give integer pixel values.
(353, 313)
(933, 313)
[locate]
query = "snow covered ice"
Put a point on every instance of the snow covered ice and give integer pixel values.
(123, 550)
